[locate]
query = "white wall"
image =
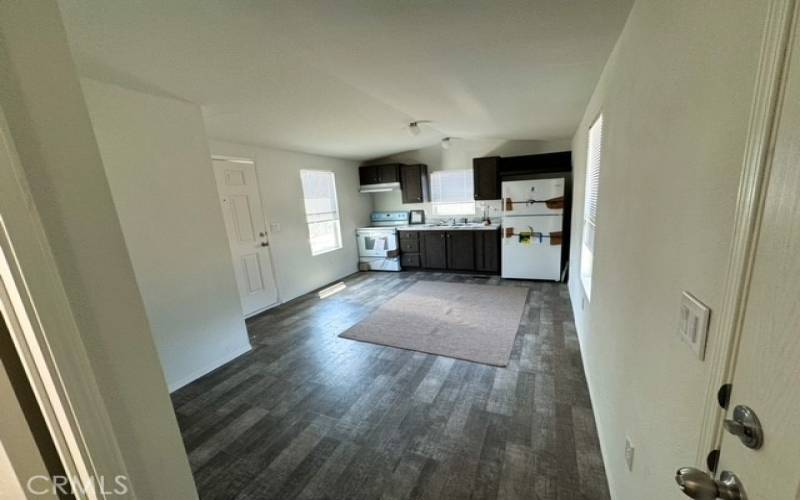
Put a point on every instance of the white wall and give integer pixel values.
(459, 156)
(675, 96)
(158, 164)
(51, 131)
(297, 271)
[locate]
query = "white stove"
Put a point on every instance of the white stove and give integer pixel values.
(378, 245)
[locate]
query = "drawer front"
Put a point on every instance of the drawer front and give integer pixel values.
(410, 260)
(409, 246)
(408, 235)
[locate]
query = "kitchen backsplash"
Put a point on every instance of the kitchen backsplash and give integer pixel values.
(391, 201)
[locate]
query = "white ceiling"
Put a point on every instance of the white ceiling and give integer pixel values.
(344, 77)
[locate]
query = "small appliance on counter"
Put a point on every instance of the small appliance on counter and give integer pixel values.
(378, 248)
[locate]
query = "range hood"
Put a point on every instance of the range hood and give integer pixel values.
(379, 188)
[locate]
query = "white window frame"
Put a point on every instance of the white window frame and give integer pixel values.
(452, 208)
(327, 217)
(594, 150)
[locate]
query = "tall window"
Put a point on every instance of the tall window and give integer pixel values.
(594, 152)
(452, 192)
(322, 211)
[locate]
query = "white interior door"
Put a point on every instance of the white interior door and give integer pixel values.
(247, 233)
(767, 372)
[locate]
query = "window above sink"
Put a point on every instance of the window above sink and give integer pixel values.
(452, 193)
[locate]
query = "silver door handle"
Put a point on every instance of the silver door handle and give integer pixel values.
(696, 484)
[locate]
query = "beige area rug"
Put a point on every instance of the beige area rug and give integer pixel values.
(464, 321)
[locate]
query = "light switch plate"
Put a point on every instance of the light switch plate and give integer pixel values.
(693, 324)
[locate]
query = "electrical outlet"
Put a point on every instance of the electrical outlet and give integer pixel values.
(693, 324)
(629, 452)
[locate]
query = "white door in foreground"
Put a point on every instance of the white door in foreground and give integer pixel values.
(767, 373)
(760, 449)
(247, 233)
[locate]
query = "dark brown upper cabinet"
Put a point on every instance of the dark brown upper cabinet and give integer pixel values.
(367, 175)
(379, 174)
(414, 183)
(486, 177)
(389, 173)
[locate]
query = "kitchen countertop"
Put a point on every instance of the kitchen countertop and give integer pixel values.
(435, 227)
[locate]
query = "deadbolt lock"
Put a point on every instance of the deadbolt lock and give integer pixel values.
(746, 426)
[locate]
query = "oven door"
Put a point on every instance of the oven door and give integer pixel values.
(376, 243)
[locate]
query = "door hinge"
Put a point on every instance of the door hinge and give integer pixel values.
(712, 461)
(724, 395)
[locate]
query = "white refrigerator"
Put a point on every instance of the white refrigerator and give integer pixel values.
(533, 215)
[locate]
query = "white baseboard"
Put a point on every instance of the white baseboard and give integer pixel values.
(263, 309)
(225, 358)
(578, 317)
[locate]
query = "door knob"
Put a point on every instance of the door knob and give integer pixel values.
(700, 486)
(746, 426)
(264, 243)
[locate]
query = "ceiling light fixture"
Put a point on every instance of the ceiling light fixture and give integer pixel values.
(446, 143)
(414, 127)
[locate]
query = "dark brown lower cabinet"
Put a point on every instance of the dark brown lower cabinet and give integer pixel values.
(434, 249)
(460, 250)
(409, 245)
(410, 256)
(487, 251)
(410, 260)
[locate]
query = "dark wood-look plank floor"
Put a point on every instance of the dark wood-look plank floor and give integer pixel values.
(309, 415)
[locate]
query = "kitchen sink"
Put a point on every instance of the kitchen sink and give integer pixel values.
(457, 225)
(461, 224)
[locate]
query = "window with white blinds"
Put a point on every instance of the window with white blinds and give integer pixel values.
(322, 211)
(593, 159)
(452, 192)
